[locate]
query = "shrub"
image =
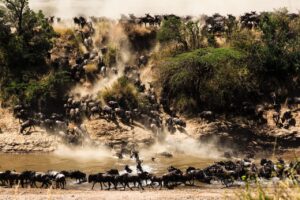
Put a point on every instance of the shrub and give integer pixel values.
(40, 93)
(211, 78)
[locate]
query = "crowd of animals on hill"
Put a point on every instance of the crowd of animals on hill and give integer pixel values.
(216, 23)
(77, 108)
(225, 172)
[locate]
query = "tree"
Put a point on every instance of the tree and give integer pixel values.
(172, 30)
(193, 35)
(25, 39)
(18, 11)
(280, 44)
(29, 44)
(231, 25)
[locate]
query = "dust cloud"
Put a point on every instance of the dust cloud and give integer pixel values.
(116, 39)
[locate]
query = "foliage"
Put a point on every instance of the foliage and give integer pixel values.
(172, 31)
(206, 77)
(25, 39)
(243, 63)
(126, 93)
(274, 48)
(39, 92)
(19, 13)
(281, 41)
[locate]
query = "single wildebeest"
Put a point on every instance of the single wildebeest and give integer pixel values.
(208, 115)
(31, 123)
(79, 176)
(286, 116)
(113, 104)
(107, 110)
(103, 178)
(40, 177)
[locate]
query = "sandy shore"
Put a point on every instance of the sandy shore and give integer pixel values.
(178, 194)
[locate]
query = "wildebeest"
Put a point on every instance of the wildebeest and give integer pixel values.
(79, 176)
(40, 177)
(80, 21)
(103, 178)
(31, 123)
(107, 110)
(58, 177)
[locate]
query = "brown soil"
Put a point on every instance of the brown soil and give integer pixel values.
(178, 194)
(11, 141)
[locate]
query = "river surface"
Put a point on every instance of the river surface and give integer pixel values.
(45, 162)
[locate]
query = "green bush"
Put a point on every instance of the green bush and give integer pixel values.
(38, 93)
(207, 78)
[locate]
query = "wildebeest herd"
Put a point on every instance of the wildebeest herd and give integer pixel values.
(224, 172)
(76, 108)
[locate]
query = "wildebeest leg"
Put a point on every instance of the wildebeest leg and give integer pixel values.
(93, 185)
(160, 184)
(151, 185)
(34, 184)
(128, 186)
(63, 184)
(109, 184)
(22, 183)
(29, 129)
(101, 185)
(192, 181)
(140, 184)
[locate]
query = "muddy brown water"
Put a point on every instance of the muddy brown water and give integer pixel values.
(92, 161)
(45, 162)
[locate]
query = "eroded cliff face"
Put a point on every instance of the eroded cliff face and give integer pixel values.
(11, 141)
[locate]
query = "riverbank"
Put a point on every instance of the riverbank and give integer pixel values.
(235, 136)
(149, 194)
(203, 193)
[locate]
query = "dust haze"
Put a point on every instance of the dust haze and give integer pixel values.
(114, 8)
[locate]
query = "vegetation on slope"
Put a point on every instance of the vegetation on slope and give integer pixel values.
(25, 40)
(207, 78)
(243, 64)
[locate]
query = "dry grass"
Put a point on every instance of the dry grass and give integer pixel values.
(283, 190)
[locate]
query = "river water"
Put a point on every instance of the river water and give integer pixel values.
(53, 161)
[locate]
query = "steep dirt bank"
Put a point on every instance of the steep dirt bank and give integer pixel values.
(100, 130)
(238, 136)
(13, 142)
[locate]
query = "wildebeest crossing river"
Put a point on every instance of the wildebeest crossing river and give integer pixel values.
(45, 162)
